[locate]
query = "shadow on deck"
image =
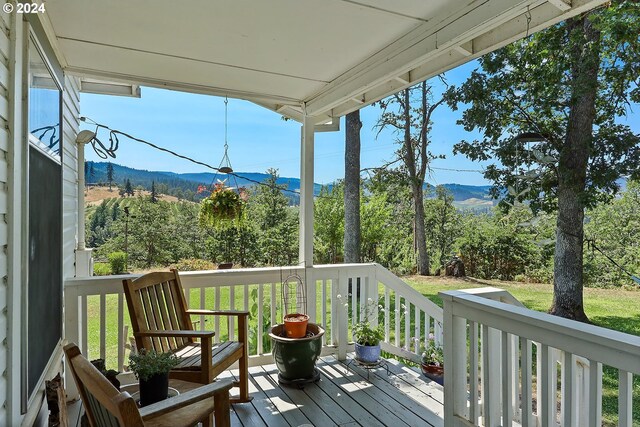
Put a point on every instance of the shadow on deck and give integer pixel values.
(343, 397)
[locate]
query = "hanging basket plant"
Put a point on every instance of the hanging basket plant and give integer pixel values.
(222, 209)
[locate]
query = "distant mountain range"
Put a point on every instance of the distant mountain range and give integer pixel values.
(464, 196)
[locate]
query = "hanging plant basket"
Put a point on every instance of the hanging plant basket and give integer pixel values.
(222, 209)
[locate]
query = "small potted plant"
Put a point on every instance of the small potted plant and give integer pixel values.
(367, 337)
(367, 342)
(432, 361)
(152, 370)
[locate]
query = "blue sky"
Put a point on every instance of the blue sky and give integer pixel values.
(193, 125)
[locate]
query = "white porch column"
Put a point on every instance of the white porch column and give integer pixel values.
(84, 262)
(306, 193)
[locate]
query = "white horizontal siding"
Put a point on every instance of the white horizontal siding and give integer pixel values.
(4, 148)
(71, 123)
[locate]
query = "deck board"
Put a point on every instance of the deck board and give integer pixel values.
(344, 397)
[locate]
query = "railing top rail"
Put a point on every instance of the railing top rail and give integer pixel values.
(226, 277)
(604, 345)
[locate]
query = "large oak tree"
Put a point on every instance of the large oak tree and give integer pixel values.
(572, 84)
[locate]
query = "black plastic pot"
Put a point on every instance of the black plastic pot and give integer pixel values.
(296, 357)
(154, 389)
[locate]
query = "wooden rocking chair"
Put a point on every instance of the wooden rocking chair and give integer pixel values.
(105, 406)
(161, 321)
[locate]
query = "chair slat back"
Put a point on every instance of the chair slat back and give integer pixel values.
(156, 302)
(104, 404)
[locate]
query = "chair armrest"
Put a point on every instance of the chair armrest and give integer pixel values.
(219, 387)
(170, 333)
(217, 312)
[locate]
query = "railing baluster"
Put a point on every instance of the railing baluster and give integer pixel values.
(274, 304)
(202, 307)
(568, 394)
(406, 311)
(595, 393)
(398, 313)
(216, 320)
(474, 409)
(260, 304)
(416, 330)
(491, 379)
(103, 326)
(83, 325)
(387, 308)
(527, 400)
(507, 377)
(323, 317)
(232, 306)
(122, 339)
(334, 304)
(547, 378)
(625, 399)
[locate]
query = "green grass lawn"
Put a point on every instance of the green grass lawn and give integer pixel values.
(616, 309)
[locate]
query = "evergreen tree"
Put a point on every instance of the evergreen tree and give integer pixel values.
(110, 174)
(153, 197)
(128, 188)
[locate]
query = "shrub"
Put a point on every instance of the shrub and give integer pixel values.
(193, 264)
(117, 262)
(101, 269)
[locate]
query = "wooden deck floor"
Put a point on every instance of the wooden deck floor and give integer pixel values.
(343, 397)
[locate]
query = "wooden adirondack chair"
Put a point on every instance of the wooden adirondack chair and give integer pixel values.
(107, 407)
(160, 321)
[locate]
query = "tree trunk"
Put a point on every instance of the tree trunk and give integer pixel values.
(421, 235)
(572, 172)
(352, 188)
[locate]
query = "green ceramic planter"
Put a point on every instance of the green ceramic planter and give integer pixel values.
(296, 357)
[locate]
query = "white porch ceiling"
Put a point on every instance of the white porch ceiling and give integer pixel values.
(334, 56)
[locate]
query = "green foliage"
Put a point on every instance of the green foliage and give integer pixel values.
(101, 269)
(117, 262)
(275, 223)
(146, 364)
(432, 354)
(615, 229)
(501, 246)
(442, 222)
(222, 209)
(363, 332)
(193, 264)
(329, 224)
(526, 86)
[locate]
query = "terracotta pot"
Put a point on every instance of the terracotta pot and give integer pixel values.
(295, 325)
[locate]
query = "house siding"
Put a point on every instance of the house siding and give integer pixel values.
(4, 185)
(70, 125)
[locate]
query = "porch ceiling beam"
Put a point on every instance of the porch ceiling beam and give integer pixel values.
(181, 86)
(418, 49)
(563, 5)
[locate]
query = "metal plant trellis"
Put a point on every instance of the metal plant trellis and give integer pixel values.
(294, 295)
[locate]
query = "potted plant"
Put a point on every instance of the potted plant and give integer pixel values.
(152, 370)
(367, 341)
(295, 325)
(432, 361)
(223, 208)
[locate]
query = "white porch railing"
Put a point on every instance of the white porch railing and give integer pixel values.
(96, 312)
(489, 348)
